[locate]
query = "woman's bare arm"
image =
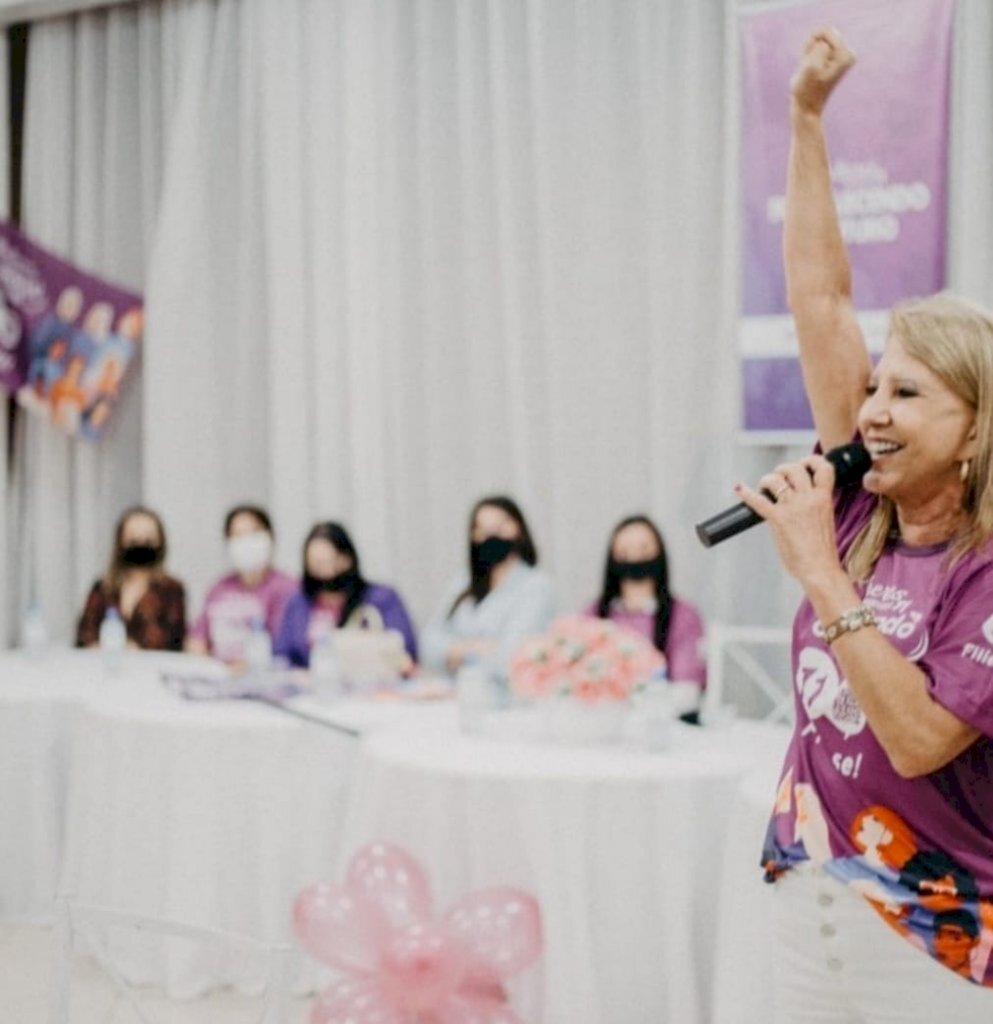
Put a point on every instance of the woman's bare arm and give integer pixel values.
(835, 361)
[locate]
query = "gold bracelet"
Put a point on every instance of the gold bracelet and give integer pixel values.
(850, 621)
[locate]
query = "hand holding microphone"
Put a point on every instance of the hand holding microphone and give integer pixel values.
(851, 462)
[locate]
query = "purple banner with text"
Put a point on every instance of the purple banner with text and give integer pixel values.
(67, 338)
(887, 130)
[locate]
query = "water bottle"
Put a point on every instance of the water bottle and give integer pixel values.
(657, 711)
(258, 649)
(324, 669)
(34, 633)
(113, 639)
(474, 690)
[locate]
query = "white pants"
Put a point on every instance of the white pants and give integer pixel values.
(835, 961)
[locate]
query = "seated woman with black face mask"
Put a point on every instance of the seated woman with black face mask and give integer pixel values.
(505, 600)
(636, 595)
(334, 595)
(151, 603)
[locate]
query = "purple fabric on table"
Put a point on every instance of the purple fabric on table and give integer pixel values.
(684, 654)
(296, 632)
(231, 608)
(920, 848)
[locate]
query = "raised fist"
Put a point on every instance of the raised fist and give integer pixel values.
(826, 58)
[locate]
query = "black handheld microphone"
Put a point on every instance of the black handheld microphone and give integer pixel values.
(851, 462)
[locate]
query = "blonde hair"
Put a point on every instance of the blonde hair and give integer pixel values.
(953, 338)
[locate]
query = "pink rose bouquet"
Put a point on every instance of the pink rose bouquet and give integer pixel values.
(586, 658)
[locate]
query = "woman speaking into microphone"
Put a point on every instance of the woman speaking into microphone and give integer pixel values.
(881, 838)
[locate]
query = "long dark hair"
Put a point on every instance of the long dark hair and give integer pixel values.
(612, 581)
(479, 582)
(116, 567)
(339, 538)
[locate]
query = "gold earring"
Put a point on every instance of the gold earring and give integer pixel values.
(964, 470)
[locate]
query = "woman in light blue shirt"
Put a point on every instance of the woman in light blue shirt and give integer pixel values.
(504, 600)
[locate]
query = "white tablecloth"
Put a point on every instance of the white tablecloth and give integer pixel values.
(743, 962)
(218, 813)
(124, 795)
(622, 848)
(35, 730)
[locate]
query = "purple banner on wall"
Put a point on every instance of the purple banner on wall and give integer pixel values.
(66, 337)
(887, 130)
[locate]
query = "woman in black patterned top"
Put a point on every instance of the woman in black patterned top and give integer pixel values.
(151, 603)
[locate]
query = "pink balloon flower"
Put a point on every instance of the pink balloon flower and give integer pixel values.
(401, 965)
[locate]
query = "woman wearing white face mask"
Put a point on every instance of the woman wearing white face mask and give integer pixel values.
(253, 591)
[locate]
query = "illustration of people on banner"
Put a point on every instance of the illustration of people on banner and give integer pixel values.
(67, 338)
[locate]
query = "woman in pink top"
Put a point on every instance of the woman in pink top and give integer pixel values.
(253, 593)
(636, 594)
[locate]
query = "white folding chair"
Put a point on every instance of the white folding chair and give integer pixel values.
(732, 659)
(83, 929)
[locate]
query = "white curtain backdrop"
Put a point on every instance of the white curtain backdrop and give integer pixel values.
(439, 249)
(95, 130)
(400, 254)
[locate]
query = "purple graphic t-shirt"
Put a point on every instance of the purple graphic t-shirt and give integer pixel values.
(920, 850)
(231, 608)
(684, 650)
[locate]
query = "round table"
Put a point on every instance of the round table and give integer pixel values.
(121, 794)
(37, 706)
(217, 813)
(623, 848)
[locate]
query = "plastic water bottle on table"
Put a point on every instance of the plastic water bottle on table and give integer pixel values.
(258, 649)
(113, 639)
(325, 670)
(475, 693)
(657, 712)
(34, 633)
